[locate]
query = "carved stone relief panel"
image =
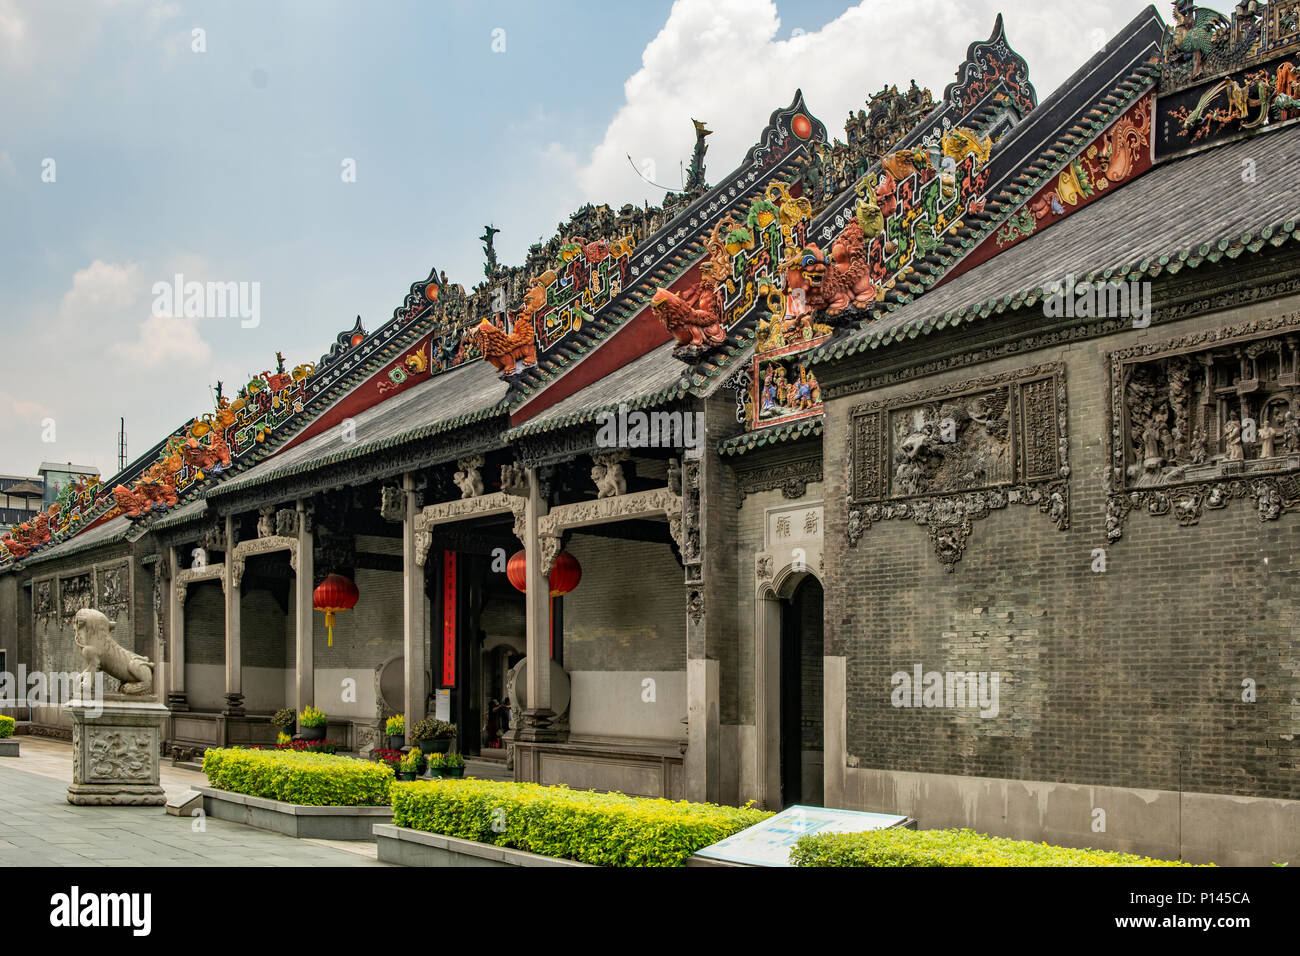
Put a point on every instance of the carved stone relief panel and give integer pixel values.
(75, 594)
(43, 601)
(113, 589)
(1202, 420)
(948, 455)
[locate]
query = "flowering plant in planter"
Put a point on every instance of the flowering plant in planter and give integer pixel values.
(312, 723)
(321, 746)
(410, 765)
(433, 735)
(286, 720)
(395, 726)
(283, 738)
(390, 757)
(453, 765)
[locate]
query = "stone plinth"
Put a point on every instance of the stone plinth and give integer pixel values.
(116, 757)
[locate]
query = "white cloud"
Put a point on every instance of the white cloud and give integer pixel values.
(13, 408)
(164, 340)
(730, 63)
(34, 32)
(102, 287)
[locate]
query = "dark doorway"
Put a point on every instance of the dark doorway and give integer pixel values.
(801, 696)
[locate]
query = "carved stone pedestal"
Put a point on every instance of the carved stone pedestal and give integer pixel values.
(177, 702)
(234, 705)
(116, 752)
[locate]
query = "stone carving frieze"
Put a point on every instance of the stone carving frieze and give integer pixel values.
(460, 509)
(639, 504)
(208, 572)
(949, 455)
(1206, 419)
(246, 549)
(792, 476)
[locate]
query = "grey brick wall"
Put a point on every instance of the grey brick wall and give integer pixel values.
(629, 611)
(1131, 677)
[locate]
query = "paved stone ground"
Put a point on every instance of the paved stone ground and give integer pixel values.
(38, 827)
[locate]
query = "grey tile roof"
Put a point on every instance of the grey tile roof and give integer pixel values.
(463, 395)
(653, 379)
(107, 533)
(1186, 212)
(189, 511)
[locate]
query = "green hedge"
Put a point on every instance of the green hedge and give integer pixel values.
(949, 848)
(314, 780)
(605, 829)
(6, 727)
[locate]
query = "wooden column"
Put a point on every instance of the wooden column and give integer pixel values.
(176, 699)
(304, 616)
(537, 717)
(234, 673)
(413, 640)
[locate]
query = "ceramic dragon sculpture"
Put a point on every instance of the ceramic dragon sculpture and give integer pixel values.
(695, 317)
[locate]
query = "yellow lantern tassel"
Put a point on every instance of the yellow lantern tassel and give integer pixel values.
(329, 623)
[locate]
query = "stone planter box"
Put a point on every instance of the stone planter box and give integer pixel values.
(416, 848)
(9, 747)
(291, 819)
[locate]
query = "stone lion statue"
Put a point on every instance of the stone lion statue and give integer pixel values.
(102, 653)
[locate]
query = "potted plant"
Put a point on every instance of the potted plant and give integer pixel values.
(395, 729)
(312, 723)
(409, 766)
(285, 720)
(433, 736)
(391, 757)
(437, 764)
(453, 765)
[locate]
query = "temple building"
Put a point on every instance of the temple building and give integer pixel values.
(948, 470)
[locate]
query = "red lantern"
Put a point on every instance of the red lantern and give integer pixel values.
(335, 593)
(565, 573)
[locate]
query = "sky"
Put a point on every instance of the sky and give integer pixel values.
(326, 155)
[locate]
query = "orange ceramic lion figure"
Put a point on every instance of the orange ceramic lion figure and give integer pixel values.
(836, 283)
(503, 350)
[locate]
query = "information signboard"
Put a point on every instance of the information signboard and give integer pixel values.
(769, 843)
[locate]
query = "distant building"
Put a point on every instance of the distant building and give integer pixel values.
(20, 499)
(56, 476)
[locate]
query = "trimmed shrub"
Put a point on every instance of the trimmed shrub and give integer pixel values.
(604, 829)
(949, 848)
(7, 726)
(314, 780)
